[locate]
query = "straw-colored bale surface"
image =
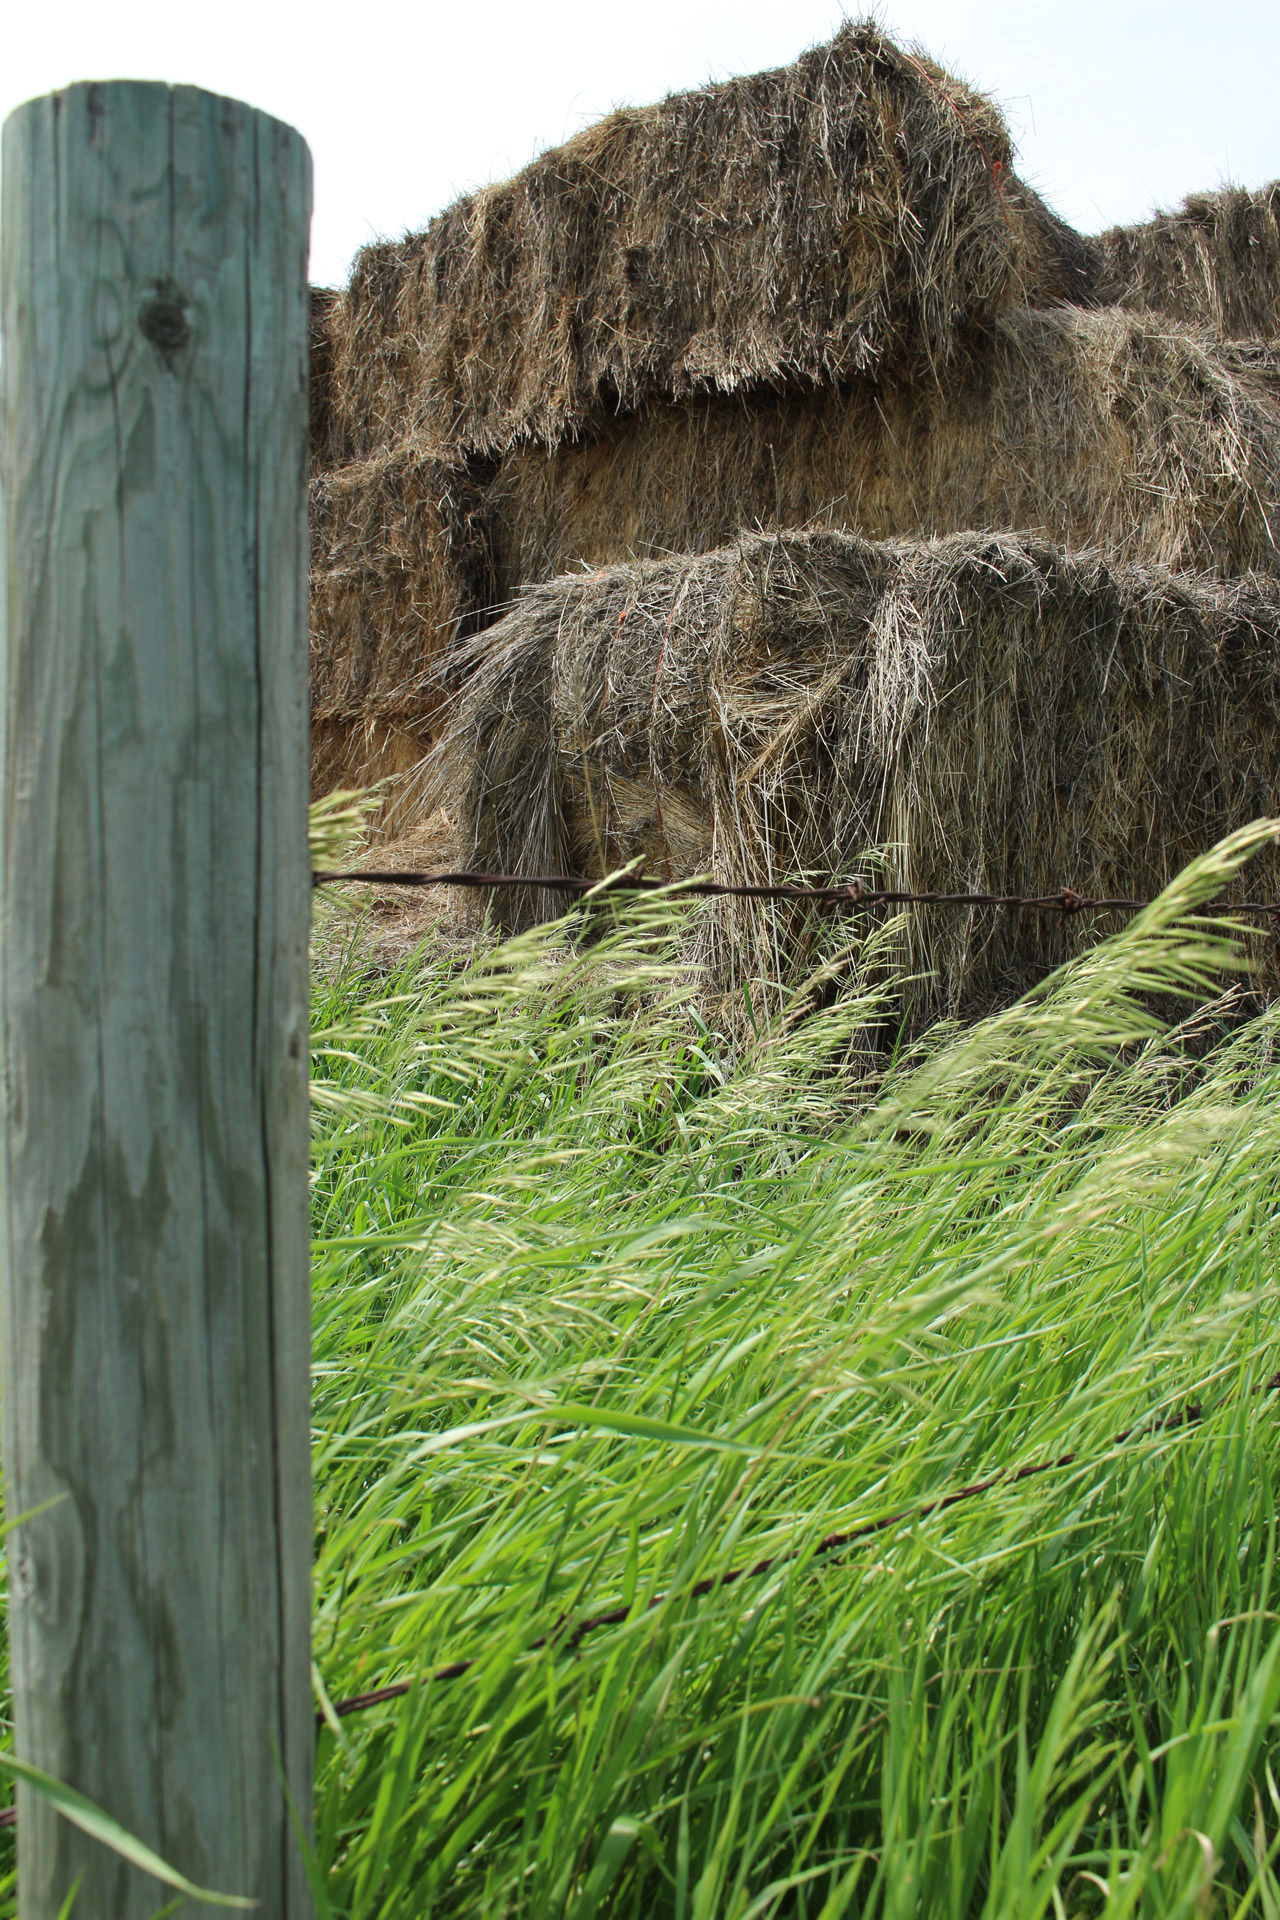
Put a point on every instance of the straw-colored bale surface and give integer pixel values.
(1091, 428)
(1214, 262)
(399, 563)
(983, 711)
(851, 214)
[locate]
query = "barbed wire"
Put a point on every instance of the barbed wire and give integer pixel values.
(1063, 900)
(570, 1634)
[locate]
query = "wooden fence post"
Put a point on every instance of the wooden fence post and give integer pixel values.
(153, 991)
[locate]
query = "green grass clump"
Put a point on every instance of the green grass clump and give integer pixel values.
(603, 1312)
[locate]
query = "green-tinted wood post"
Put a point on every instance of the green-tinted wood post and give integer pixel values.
(153, 861)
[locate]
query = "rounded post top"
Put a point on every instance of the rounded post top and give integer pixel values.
(94, 98)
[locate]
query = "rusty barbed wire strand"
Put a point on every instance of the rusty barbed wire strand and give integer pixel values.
(1065, 900)
(1188, 1416)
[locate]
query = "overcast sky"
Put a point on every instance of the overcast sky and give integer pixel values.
(1116, 108)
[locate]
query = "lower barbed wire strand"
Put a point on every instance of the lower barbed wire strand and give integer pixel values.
(570, 1635)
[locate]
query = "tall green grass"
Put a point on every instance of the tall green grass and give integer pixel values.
(603, 1311)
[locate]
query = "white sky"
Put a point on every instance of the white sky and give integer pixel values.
(1116, 107)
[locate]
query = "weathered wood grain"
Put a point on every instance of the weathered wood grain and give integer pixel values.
(153, 985)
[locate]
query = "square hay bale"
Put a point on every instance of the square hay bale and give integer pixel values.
(1214, 261)
(1101, 428)
(985, 712)
(854, 213)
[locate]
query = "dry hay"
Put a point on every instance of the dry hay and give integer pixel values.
(393, 921)
(1092, 428)
(768, 279)
(852, 213)
(323, 302)
(399, 563)
(1215, 262)
(990, 711)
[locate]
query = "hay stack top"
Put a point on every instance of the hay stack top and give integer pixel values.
(1214, 262)
(851, 214)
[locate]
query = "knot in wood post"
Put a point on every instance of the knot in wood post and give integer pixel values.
(153, 990)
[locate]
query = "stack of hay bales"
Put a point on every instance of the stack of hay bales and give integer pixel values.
(848, 220)
(910, 519)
